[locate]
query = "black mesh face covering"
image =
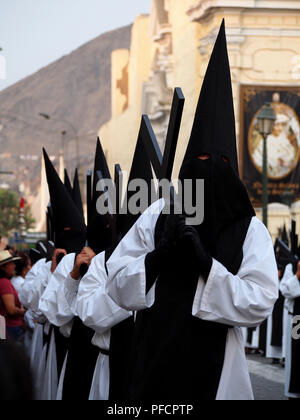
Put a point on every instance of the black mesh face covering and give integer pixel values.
(213, 139)
(226, 201)
(70, 240)
(99, 234)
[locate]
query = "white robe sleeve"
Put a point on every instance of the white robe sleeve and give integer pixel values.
(245, 299)
(18, 283)
(70, 290)
(34, 285)
(53, 302)
(126, 267)
(290, 284)
(94, 307)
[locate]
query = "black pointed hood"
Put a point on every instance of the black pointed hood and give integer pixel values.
(34, 256)
(212, 156)
(99, 229)
(69, 226)
(67, 182)
(100, 164)
(76, 194)
(140, 169)
(46, 249)
(213, 130)
(50, 223)
(284, 236)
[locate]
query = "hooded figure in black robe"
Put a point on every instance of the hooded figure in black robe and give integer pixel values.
(277, 316)
(176, 356)
(295, 347)
(121, 334)
(76, 194)
(82, 356)
(69, 234)
(69, 225)
(67, 183)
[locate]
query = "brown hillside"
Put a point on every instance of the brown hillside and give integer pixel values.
(76, 89)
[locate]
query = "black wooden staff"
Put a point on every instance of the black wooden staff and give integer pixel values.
(163, 164)
(89, 197)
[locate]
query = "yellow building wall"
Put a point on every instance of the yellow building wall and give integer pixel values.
(119, 135)
(186, 58)
(119, 82)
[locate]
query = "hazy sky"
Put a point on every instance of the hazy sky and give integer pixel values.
(34, 33)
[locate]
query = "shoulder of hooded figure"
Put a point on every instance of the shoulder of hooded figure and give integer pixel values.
(258, 230)
(148, 219)
(155, 208)
(66, 265)
(99, 258)
(47, 266)
(38, 266)
(151, 212)
(288, 271)
(98, 267)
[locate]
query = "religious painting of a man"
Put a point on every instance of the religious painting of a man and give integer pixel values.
(283, 144)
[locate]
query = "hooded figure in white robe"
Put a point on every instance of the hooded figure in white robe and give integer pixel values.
(34, 286)
(83, 352)
(100, 313)
(195, 287)
(70, 237)
(275, 348)
(113, 325)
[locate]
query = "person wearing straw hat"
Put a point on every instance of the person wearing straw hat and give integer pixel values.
(11, 307)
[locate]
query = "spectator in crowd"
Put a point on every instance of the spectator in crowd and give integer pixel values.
(11, 307)
(10, 249)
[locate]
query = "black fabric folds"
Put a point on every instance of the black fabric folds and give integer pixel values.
(69, 225)
(76, 194)
(61, 347)
(99, 230)
(100, 165)
(277, 322)
(82, 358)
(176, 357)
(119, 353)
(295, 362)
(140, 170)
(67, 183)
